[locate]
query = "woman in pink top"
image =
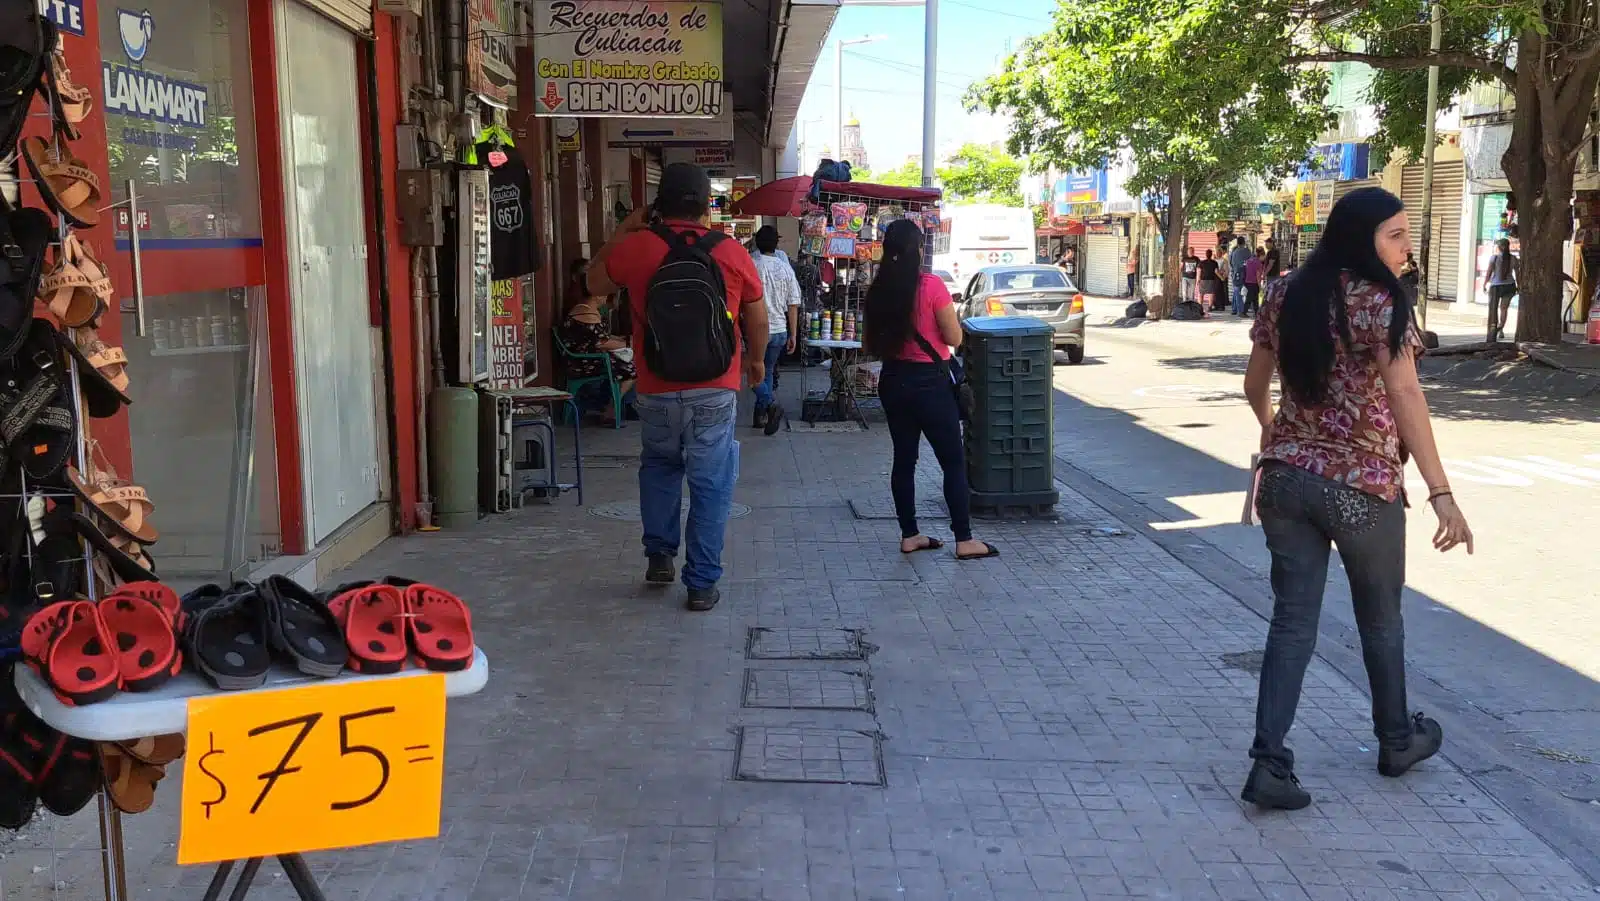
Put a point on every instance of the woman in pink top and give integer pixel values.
(911, 325)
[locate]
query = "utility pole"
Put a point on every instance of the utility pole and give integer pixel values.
(930, 86)
(1425, 258)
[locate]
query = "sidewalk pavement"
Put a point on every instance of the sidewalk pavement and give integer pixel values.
(1067, 721)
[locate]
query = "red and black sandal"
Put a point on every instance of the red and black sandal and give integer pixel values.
(160, 595)
(439, 627)
(374, 622)
(71, 776)
(147, 645)
(69, 647)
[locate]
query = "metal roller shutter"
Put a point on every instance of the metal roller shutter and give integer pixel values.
(1444, 257)
(1341, 188)
(1103, 274)
(652, 171)
(355, 15)
(1202, 242)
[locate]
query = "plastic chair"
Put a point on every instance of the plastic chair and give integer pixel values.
(574, 385)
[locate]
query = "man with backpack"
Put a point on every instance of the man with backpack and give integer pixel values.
(696, 298)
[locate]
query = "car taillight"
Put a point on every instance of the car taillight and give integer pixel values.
(996, 308)
(1077, 303)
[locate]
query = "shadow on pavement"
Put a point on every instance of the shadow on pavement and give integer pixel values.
(1550, 793)
(1447, 399)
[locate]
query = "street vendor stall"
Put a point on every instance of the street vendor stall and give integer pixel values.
(841, 224)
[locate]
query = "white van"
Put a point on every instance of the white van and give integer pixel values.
(985, 235)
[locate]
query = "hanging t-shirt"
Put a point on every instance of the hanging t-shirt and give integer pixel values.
(512, 250)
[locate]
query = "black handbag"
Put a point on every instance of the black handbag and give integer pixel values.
(965, 401)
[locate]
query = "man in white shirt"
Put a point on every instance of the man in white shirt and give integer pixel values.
(782, 297)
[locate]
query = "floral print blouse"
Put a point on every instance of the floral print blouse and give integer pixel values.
(1350, 438)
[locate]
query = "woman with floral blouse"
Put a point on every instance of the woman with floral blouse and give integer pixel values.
(1339, 334)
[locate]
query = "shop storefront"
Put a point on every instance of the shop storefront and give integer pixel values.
(1449, 181)
(232, 145)
(1105, 252)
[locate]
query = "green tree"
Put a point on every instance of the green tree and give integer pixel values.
(979, 173)
(1168, 83)
(1544, 53)
(907, 175)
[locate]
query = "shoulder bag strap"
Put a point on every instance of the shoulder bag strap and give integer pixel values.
(938, 358)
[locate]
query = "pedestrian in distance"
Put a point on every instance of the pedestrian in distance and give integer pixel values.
(1253, 267)
(1133, 273)
(1501, 279)
(1340, 335)
(1238, 256)
(911, 325)
(1190, 271)
(696, 298)
(1209, 281)
(781, 294)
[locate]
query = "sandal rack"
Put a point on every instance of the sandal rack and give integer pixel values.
(31, 500)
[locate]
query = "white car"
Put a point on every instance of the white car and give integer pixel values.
(948, 279)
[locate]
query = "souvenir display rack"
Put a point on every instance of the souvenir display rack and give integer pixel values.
(845, 230)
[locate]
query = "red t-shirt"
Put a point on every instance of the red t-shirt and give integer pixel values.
(932, 296)
(634, 262)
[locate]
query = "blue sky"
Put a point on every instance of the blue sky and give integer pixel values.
(883, 79)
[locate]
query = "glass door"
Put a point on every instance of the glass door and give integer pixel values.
(181, 139)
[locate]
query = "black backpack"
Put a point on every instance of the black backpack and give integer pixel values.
(688, 335)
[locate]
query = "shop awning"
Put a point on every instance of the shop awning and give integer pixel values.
(784, 197)
(1066, 230)
(787, 196)
(883, 192)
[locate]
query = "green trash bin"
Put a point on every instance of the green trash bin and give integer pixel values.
(1010, 363)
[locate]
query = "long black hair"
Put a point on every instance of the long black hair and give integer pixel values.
(1313, 304)
(892, 298)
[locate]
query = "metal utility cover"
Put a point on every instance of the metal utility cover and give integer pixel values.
(805, 644)
(807, 689)
(829, 756)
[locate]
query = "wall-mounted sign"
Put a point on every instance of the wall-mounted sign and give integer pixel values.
(673, 132)
(505, 339)
(1336, 162)
(1079, 187)
(1305, 204)
(641, 58)
(67, 14)
(1103, 225)
(491, 65)
(569, 134)
(138, 92)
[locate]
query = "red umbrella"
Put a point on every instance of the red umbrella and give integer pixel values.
(784, 197)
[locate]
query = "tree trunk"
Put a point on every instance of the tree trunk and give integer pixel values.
(1172, 257)
(1543, 227)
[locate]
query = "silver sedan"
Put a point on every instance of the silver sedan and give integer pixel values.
(1040, 292)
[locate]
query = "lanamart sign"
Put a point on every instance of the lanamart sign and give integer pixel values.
(639, 58)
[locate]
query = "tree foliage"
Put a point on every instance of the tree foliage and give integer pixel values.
(1170, 84)
(980, 173)
(907, 175)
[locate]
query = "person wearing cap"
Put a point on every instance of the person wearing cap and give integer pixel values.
(781, 291)
(687, 428)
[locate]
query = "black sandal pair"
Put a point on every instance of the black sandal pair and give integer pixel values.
(233, 632)
(935, 544)
(39, 764)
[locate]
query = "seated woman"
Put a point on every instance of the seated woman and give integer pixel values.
(584, 331)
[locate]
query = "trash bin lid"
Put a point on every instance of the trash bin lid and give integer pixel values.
(1005, 326)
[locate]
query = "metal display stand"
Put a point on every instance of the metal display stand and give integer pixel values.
(842, 393)
(165, 711)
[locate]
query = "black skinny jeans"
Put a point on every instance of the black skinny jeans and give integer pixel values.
(919, 402)
(1303, 515)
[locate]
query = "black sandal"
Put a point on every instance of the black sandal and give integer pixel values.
(932, 545)
(25, 236)
(226, 636)
(302, 628)
(27, 38)
(991, 551)
(37, 427)
(124, 566)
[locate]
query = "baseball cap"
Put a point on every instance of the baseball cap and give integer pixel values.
(681, 182)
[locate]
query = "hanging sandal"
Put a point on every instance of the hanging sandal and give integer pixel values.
(37, 426)
(102, 372)
(71, 778)
(126, 559)
(67, 184)
(157, 750)
(27, 39)
(130, 783)
(71, 101)
(25, 236)
(68, 646)
(125, 507)
(439, 627)
(76, 289)
(373, 618)
(147, 647)
(302, 628)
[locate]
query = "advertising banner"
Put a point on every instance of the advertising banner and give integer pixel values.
(636, 58)
(505, 336)
(491, 65)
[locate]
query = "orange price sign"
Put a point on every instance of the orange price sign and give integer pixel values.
(312, 767)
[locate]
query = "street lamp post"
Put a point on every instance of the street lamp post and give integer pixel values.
(838, 86)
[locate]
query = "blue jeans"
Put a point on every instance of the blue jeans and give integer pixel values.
(775, 346)
(1237, 291)
(688, 434)
(1304, 516)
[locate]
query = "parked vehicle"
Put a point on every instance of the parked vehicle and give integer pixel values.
(1041, 292)
(985, 235)
(950, 283)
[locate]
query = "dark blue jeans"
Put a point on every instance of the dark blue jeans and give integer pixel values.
(1303, 516)
(919, 403)
(773, 352)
